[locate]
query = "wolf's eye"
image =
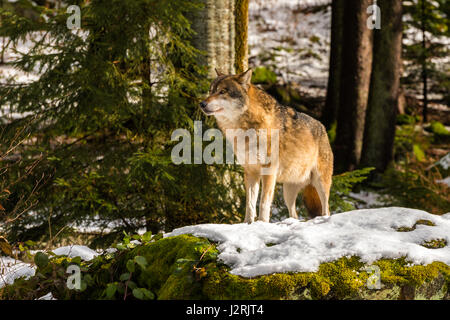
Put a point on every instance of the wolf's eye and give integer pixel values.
(223, 91)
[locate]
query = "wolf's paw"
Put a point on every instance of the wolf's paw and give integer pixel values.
(249, 220)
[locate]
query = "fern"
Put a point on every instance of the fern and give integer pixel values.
(343, 185)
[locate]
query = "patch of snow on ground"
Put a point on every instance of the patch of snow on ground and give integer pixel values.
(297, 246)
(76, 251)
(369, 199)
(48, 296)
(444, 181)
(297, 40)
(444, 162)
(11, 269)
(98, 225)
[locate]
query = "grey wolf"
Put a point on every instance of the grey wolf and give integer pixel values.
(305, 160)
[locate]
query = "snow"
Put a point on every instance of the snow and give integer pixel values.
(282, 30)
(48, 296)
(445, 181)
(369, 198)
(76, 251)
(98, 225)
(444, 162)
(11, 269)
(298, 246)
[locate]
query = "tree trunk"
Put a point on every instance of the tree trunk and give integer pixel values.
(2, 57)
(329, 114)
(241, 41)
(354, 84)
(215, 28)
(384, 88)
(424, 64)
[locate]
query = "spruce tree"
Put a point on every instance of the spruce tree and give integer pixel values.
(425, 49)
(99, 119)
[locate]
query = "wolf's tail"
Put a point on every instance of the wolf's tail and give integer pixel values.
(312, 201)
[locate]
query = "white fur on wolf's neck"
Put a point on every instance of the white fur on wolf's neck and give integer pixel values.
(226, 118)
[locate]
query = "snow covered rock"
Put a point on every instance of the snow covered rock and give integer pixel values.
(294, 246)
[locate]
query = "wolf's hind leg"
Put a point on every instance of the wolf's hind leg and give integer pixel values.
(322, 185)
(251, 193)
(290, 192)
(312, 201)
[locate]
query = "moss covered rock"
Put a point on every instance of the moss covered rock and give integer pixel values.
(186, 267)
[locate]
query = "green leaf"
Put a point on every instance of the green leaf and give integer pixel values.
(83, 285)
(157, 237)
(76, 260)
(131, 284)
(41, 260)
(121, 247)
(130, 266)
(141, 261)
(418, 152)
(148, 294)
(138, 294)
(111, 290)
(143, 294)
(147, 236)
(125, 276)
(88, 278)
(30, 243)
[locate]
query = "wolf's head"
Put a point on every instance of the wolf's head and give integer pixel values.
(228, 96)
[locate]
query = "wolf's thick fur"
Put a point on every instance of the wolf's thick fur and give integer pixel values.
(305, 159)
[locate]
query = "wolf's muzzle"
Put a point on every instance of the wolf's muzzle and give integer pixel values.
(203, 105)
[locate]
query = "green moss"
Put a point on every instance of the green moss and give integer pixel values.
(434, 243)
(418, 152)
(406, 119)
(345, 278)
(422, 222)
(440, 132)
(439, 129)
(262, 75)
(332, 132)
(170, 272)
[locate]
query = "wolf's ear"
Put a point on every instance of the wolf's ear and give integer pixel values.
(245, 78)
(218, 72)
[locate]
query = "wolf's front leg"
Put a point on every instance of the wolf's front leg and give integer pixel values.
(268, 188)
(251, 190)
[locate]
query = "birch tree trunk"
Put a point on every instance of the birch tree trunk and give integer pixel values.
(222, 33)
(215, 28)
